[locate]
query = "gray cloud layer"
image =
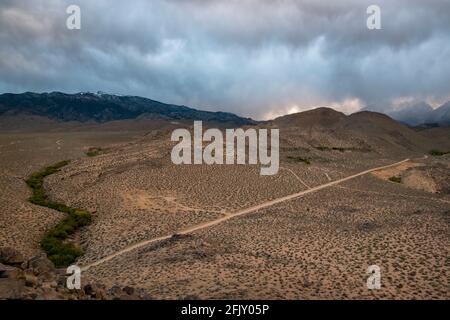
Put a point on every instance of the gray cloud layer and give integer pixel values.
(255, 58)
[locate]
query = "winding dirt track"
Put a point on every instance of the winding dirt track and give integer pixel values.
(236, 214)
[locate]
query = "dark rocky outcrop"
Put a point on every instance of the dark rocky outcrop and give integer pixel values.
(38, 279)
(10, 256)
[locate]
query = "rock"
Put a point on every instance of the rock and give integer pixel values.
(9, 272)
(115, 291)
(11, 288)
(128, 290)
(40, 265)
(50, 285)
(31, 280)
(10, 256)
(31, 296)
(48, 294)
(61, 277)
(24, 265)
(101, 294)
(142, 294)
(4, 267)
(127, 297)
(89, 290)
(95, 291)
(37, 279)
(48, 277)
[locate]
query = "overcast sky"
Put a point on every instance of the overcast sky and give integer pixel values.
(255, 58)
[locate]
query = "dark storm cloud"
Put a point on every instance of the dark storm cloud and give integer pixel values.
(256, 58)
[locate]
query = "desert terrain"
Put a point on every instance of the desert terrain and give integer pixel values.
(352, 191)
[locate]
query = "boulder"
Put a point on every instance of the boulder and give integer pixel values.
(30, 279)
(49, 294)
(89, 290)
(50, 285)
(41, 265)
(125, 296)
(5, 267)
(11, 288)
(128, 290)
(48, 276)
(9, 272)
(10, 256)
(115, 291)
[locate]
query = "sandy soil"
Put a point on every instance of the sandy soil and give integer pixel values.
(147, 214)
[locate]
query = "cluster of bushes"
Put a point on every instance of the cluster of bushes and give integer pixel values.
(293, 149)
(36, 183)
(58, 250)
(93, 152)
(330, 148)
(395, 179)
(299, 159)
(341, 149)
(436, 152)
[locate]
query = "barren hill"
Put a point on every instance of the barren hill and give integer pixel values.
(327, 129)
(323, 117)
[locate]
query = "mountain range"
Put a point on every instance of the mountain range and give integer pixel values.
(422, 114)
(101, 107)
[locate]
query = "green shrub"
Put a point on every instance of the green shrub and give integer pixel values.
(299, 159)
(341, 149)
(60, 253)
(36, 183)
(395, 179)
(436, 152)
(82, 217)
(93, 152)
(54, 243)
